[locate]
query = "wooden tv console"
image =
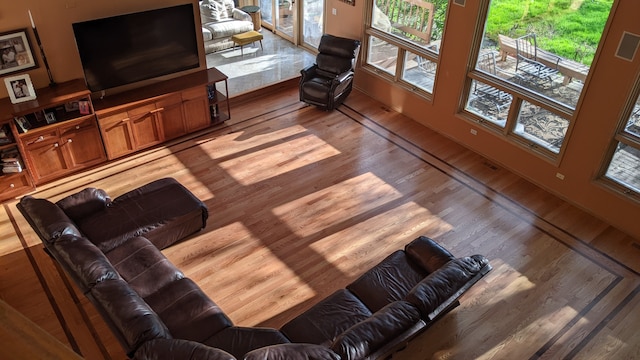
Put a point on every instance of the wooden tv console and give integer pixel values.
(65, 130)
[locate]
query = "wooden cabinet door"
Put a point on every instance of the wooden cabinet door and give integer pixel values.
(196, 108)
(45, 156)
(82, 144)
(117, 135)
(171, 117)
(145, 123)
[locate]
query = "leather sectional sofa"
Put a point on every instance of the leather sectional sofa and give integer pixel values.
(111, 249)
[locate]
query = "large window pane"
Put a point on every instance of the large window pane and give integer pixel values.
(489, 102)
(419, 71)
(541, 126)
(382, 55)
(411, 20)
(625, 167)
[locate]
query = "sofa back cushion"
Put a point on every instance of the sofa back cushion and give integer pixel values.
(83, 261)
(47, 219)
(143, 266)
(162, 349)
(216, 10)
(324, 321)
(187, 311)
(389, 281)
(367, 336)
(296, 351)
(131, 319)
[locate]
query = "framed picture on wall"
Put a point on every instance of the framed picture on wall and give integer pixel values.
(15, 52)
(20, 88)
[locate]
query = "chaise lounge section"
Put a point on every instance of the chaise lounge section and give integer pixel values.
(158, 313)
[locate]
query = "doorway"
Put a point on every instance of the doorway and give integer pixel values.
(283, 18)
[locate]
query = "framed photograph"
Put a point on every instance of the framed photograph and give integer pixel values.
(84, 107)
(71, 106)
(50, 117)
(15, 52)
(20, 88)
(23, 124)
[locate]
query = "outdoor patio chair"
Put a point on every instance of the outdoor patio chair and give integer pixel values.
(489, 96)
(527, 60)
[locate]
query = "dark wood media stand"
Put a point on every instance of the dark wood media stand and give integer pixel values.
(66, 130)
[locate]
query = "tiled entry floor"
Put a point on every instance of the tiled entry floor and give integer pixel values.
(279, 60)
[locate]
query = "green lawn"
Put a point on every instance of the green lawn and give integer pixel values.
(569, 28)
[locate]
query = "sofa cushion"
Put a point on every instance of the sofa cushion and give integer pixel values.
(389, 281)
(227, 28)
(293, 351)
(84, 203)
(162, 349)
(131, 319)
(143, 266)
(373, 333)
(211, 10)
(83, 261)
(323, 322)
(47, 219)
(163, 211)
(187, 311)
(427, 253)
(240, 340)
(442, 287)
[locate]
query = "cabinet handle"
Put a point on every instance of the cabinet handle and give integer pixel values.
(40, 138)
(55, 145)
(125, 120)
(69, 141)
(77, 127)
(156, 110)
(12, 186)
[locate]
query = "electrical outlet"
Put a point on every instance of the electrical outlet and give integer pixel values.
(474, 132)
(334, 11)
(560, 176)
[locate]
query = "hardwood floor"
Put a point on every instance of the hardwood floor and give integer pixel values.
(303, 201)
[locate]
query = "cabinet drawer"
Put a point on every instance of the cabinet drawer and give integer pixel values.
(35, 139)
(81, 125)
(113, 119)
(194, 93)
(14, 184)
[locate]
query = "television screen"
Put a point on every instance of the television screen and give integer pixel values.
(128, 48)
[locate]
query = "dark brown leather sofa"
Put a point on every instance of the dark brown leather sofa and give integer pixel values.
(158, 313)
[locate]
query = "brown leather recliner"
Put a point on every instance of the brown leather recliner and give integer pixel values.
(329, 81)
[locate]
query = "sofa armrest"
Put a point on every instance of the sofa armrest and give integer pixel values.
(308, 72)
(84, 203)
(160, 349)
(240, 15)
(439, 291)
(47, 219)
(427, 253)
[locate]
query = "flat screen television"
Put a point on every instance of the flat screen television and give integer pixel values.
(126, 49)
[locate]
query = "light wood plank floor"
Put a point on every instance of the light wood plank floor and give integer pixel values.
(303, 201)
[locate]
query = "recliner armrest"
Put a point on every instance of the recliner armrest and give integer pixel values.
(309, 71)
(343, 77)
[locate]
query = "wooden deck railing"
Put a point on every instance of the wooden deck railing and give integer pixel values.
(413, 19)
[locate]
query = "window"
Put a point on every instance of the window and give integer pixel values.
(402, 41)
(531, 65)
(623, 164)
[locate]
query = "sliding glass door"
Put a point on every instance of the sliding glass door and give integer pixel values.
(283, 18)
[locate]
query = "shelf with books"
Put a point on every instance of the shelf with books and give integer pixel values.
(15, 179)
